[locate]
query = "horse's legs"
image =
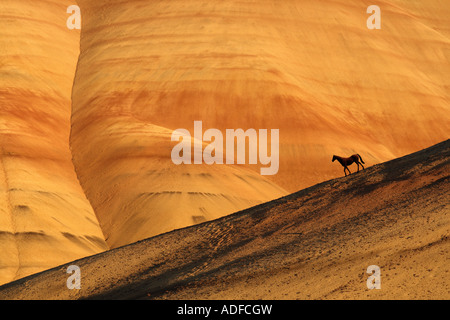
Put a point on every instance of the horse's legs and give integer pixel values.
(358, 164)
(345, 168)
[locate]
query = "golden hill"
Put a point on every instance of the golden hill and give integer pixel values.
(45, 218)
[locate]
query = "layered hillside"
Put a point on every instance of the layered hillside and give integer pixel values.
(313, 244)
(312, 70)
(45, 218)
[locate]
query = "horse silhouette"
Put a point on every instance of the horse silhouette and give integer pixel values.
(348, 161)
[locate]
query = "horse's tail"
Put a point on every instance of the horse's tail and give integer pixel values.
(360, 159)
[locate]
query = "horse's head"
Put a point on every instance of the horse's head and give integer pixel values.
(334, 158)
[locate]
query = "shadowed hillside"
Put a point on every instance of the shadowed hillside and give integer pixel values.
(314, 244)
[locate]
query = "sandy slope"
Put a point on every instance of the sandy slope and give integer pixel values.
(45, 218)
(313, 244)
